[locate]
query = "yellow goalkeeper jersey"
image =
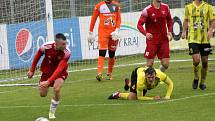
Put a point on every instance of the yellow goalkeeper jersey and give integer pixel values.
(143, 85)
(199, 18)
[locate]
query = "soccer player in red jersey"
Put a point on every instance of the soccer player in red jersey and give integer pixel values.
(108, 12)
(54, 68)
(158, 32)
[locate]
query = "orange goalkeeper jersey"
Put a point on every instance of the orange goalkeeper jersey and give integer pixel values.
(110, 18)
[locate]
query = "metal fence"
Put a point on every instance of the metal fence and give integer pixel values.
(17, 11)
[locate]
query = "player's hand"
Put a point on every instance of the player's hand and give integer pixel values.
(149, 36)
(91, 37)
(157, 97)
(30, 74)
(166, 98)
(183, 35)
(115, 34)
(44, 84)
(210, 33)
(169, 35)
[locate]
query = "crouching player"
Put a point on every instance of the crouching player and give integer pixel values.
(54, 69)
(142, 80)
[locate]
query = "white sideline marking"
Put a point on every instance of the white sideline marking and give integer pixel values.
(112, 104)
(80, 70)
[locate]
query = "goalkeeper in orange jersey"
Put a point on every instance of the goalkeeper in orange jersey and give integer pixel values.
(108, 33)
(142, 80)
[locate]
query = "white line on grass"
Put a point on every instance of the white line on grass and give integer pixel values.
(88, 69)
(111, 104)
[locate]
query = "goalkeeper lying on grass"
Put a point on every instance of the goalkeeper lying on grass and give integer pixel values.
(142, 80)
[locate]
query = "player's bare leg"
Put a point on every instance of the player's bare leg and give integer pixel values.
(204, 69)
(196, 61)
(43, 91)
(132, 96)
(55, 100)
(164, 64)
(149, 62)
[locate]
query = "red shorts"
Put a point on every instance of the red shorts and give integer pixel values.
(44, 77)
(161, 50)
(106, 43)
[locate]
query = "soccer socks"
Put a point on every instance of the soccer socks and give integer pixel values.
(203, 75)
(101, 61)
(53, 105)
(196, 71)
(123, 96)
(111, 62)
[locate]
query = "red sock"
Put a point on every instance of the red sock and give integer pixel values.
(111, 62)
(101, 61)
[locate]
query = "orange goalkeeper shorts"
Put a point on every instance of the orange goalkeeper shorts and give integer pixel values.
(106, 43)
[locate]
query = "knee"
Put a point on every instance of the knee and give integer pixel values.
(165, 65)
(56, 89)
(196, 62)
(43, 94)
(111, 54)
(132, 96)
(102, 53)
(204, 64)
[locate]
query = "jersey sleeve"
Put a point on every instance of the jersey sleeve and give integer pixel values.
(140, 93)
(169, 20)
(186, 13)
(169, 84)
(164, 78)
(62, 65)
(211, 13)
(141, 22)
(118, 21)
(37, 57)
(94, 17)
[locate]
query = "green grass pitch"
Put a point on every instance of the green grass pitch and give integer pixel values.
(85, 99)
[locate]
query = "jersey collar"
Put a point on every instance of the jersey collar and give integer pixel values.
(199, 5)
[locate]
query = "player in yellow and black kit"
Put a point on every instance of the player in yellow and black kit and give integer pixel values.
(142, 80)
(199, 20)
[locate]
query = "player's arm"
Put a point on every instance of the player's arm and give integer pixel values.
(94, 18)
(169, 21)
(169, 24)
(140, 24)
(37, 57)
(140, 94)
(118, 20)
(61, 66)
(185, 23)
(212, 22)
(169, 84)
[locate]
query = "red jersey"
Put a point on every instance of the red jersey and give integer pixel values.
(55, 61)
(155, 20)
(109, 15)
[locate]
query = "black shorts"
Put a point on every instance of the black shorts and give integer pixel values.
(133, 87)
(202, 49)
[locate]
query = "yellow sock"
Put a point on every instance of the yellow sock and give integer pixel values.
(196, 71)
(123, 96)
(203, 75)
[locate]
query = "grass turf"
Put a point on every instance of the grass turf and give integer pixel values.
(85, 99)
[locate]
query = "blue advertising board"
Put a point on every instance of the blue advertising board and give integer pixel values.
(70, 28)
(24, 40)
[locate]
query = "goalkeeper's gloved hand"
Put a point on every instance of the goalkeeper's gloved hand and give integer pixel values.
(91, 37)
(115, 34)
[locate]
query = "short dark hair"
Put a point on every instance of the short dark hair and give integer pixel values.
(60, 36)
(150, 70)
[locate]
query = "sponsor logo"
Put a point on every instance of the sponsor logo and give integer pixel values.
(24, 45)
